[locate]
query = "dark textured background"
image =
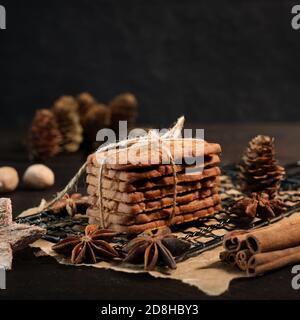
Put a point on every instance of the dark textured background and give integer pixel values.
(214, 61)
(209, 60)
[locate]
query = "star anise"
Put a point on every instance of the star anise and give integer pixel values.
(72, 204)
(89, 247)
(258, 205)
(154, 247)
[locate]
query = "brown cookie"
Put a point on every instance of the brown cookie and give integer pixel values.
(148, 206)
(179, 219)
(180, 209)
(157, 193)
(93, 163)
(123, 186)
(138, 156)
(150, 172)
(142, 218)
(153, 204)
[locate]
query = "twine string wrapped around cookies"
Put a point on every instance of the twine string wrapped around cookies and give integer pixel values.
(100, 198)
(175, 181)
(172, 133)
(157, 141)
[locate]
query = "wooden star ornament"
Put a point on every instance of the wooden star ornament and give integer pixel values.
(14, 236)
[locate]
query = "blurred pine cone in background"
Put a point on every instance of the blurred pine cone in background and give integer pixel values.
(44, 135)
(259, 170)
(82, 117)
(96, 118)
(65, 110)
(123, 107)
(85, 101)
(66, 102)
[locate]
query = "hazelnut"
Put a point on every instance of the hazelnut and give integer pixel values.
(38, 176)
(9, 179)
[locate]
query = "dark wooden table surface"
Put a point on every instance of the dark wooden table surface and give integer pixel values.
(43, 278)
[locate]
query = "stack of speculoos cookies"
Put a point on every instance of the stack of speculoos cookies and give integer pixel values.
(139, 195)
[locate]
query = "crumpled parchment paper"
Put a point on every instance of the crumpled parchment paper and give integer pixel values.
(205, 271)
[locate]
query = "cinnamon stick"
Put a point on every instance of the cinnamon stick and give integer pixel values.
(242, 258)
(228, 257)
(235, 240)
(263, 262)
(283, 234)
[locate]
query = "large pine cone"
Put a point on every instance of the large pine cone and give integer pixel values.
(123, 107)
(259, 170)
(66, 112)
(44, 135)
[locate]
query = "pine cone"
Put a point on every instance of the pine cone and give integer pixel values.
(44, 135)
(68, 101)
(258, 205)
(65, 111)
(95, 119)
(259, 170)
(85, 101)
(123, 107)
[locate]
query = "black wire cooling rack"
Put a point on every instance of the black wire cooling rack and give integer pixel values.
(203, 234)
(208, 233)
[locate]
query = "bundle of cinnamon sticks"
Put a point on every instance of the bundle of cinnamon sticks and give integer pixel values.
(261, 250)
